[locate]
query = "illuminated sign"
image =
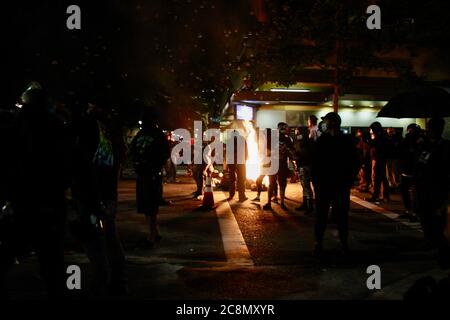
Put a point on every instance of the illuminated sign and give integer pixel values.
(244, 112)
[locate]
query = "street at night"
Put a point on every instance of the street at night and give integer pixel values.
(225, 159)
(267, 256)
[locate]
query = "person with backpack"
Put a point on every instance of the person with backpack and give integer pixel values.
(100, 152)
(149, 151)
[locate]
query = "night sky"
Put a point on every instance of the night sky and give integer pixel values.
(128, 49)
(166, 52)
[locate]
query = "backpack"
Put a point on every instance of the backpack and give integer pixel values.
(103, 156)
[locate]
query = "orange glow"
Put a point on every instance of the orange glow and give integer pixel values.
(253, 162)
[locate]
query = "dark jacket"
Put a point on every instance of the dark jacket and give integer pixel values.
(149, 151)
(408, 153)
(379, 148)
(304, 153)
(41, 156)
(335, 162)
(432, 171)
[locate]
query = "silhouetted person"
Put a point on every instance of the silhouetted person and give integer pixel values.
(364, 161)
(101, 152)
(40, 159)
(432, 181)
(171, 167)
(260, 179)
(379, 150)
(333, 170)
(197, 172)
(393, 140)
(286, 154)
(150, 151)
(237, 168)
(7, 120)
(304, 158)
(408, 150)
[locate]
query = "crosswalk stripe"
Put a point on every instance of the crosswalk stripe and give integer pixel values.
(385, 212)
(234, 245)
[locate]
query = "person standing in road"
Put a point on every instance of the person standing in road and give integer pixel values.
(101, 152)
(149, 151)
(304, 157)
(365, 163)
(237, 169)
(378, 152)
(334, 168)
(432, 182)
(40, 156)
(408, 150)
(394, 140)
(286, 154)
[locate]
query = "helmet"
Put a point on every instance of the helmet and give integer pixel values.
(34, 95)
(333, 117)
(376, 127)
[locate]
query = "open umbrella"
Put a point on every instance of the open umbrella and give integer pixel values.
(420, 103)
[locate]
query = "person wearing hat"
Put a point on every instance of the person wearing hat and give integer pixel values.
(333, 171)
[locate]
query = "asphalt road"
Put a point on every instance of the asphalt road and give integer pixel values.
(239, 251)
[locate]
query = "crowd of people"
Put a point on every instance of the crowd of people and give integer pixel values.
(47, 156)
(60, 175)
(329, 162)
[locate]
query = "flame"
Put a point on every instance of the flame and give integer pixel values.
(253, 162)
(266, 181)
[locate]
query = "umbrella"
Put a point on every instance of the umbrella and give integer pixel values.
(421, 103)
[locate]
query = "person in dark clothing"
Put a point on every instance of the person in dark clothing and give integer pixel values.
(304, 158)
(365, 163)
(40, 165)
(334, 168)
(236, 169)
(286, 154)
(393, 140)
(379, 149)
(149, 151)
(408, 150)
(260, 179)
(101, 152)
(432, 182)
(170, 166)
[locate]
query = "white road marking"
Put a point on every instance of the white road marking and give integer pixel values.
(234, 245)
(383, 211)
